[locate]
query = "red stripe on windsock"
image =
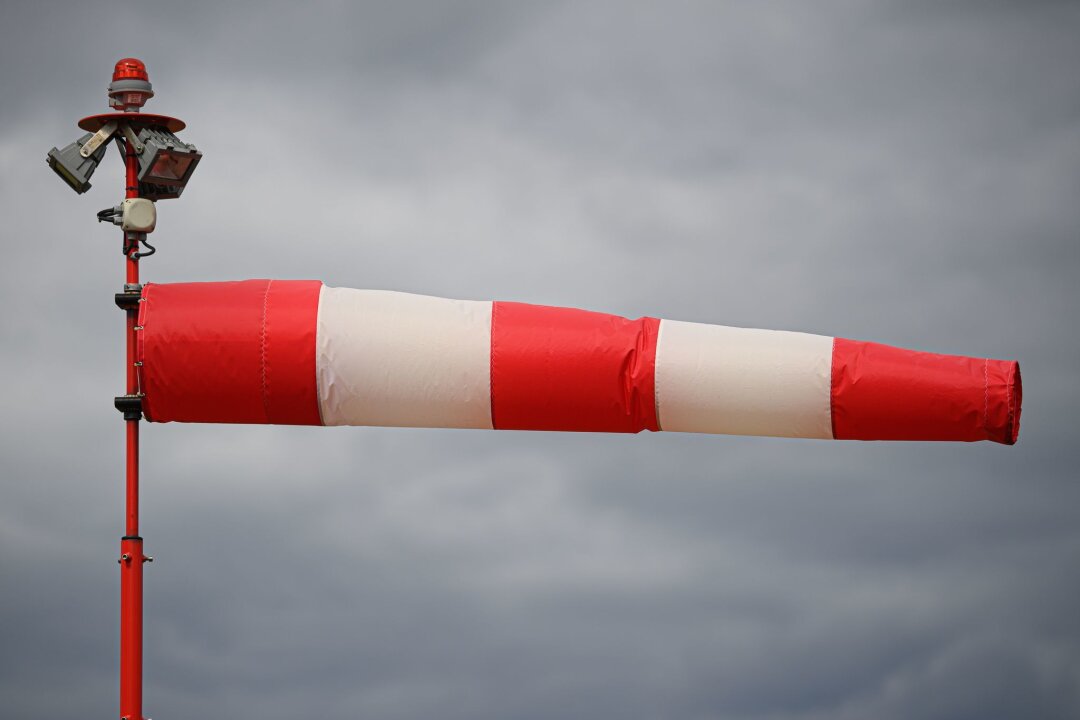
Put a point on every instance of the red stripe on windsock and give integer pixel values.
(572, 370)
(886, 393)
(230, 352)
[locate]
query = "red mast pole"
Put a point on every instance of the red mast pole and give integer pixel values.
(164, 163)
(131, 549)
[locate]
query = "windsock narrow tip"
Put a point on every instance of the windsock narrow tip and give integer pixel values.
(881, 392)
(1004, 396)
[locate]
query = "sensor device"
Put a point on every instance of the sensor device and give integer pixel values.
(138, 215)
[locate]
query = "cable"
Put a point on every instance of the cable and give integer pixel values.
(152, 249)
(109, 215)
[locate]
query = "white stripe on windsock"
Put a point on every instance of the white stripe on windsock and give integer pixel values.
(737, 381)
(403, 360)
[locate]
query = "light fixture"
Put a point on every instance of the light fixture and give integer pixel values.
(165, 161)
(74, 167)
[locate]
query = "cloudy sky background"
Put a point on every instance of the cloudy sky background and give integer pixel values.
(905, 172)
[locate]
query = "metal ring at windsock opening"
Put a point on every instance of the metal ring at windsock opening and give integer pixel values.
(298, 352)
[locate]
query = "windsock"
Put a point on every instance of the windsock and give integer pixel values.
(301, 353)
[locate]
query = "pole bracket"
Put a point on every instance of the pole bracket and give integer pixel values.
(99, 138)
(128, 300)
(132, 138)
(130, 405)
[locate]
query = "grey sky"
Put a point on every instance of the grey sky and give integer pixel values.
(906, 172)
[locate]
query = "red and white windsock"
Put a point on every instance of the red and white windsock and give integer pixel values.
(300, 353)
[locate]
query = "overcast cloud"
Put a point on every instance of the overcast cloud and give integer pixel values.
(905, 172)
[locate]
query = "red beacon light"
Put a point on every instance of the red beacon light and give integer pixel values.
(130, 87)
(127, 68)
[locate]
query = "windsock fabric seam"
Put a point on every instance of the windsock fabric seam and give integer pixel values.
(139, 350)
(491, 365)
(832, 390)
(1010, 390)
(319, 390)
(262, 351)
(656, 376)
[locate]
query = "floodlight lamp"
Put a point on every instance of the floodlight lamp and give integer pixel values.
(72, 166)
(166, 160)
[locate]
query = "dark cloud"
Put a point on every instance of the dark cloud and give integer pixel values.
(903, 172)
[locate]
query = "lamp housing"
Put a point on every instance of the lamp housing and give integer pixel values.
(166, 162)
(72, 167)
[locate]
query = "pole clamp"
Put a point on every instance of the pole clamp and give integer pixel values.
(130, 405)
(130, 298)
